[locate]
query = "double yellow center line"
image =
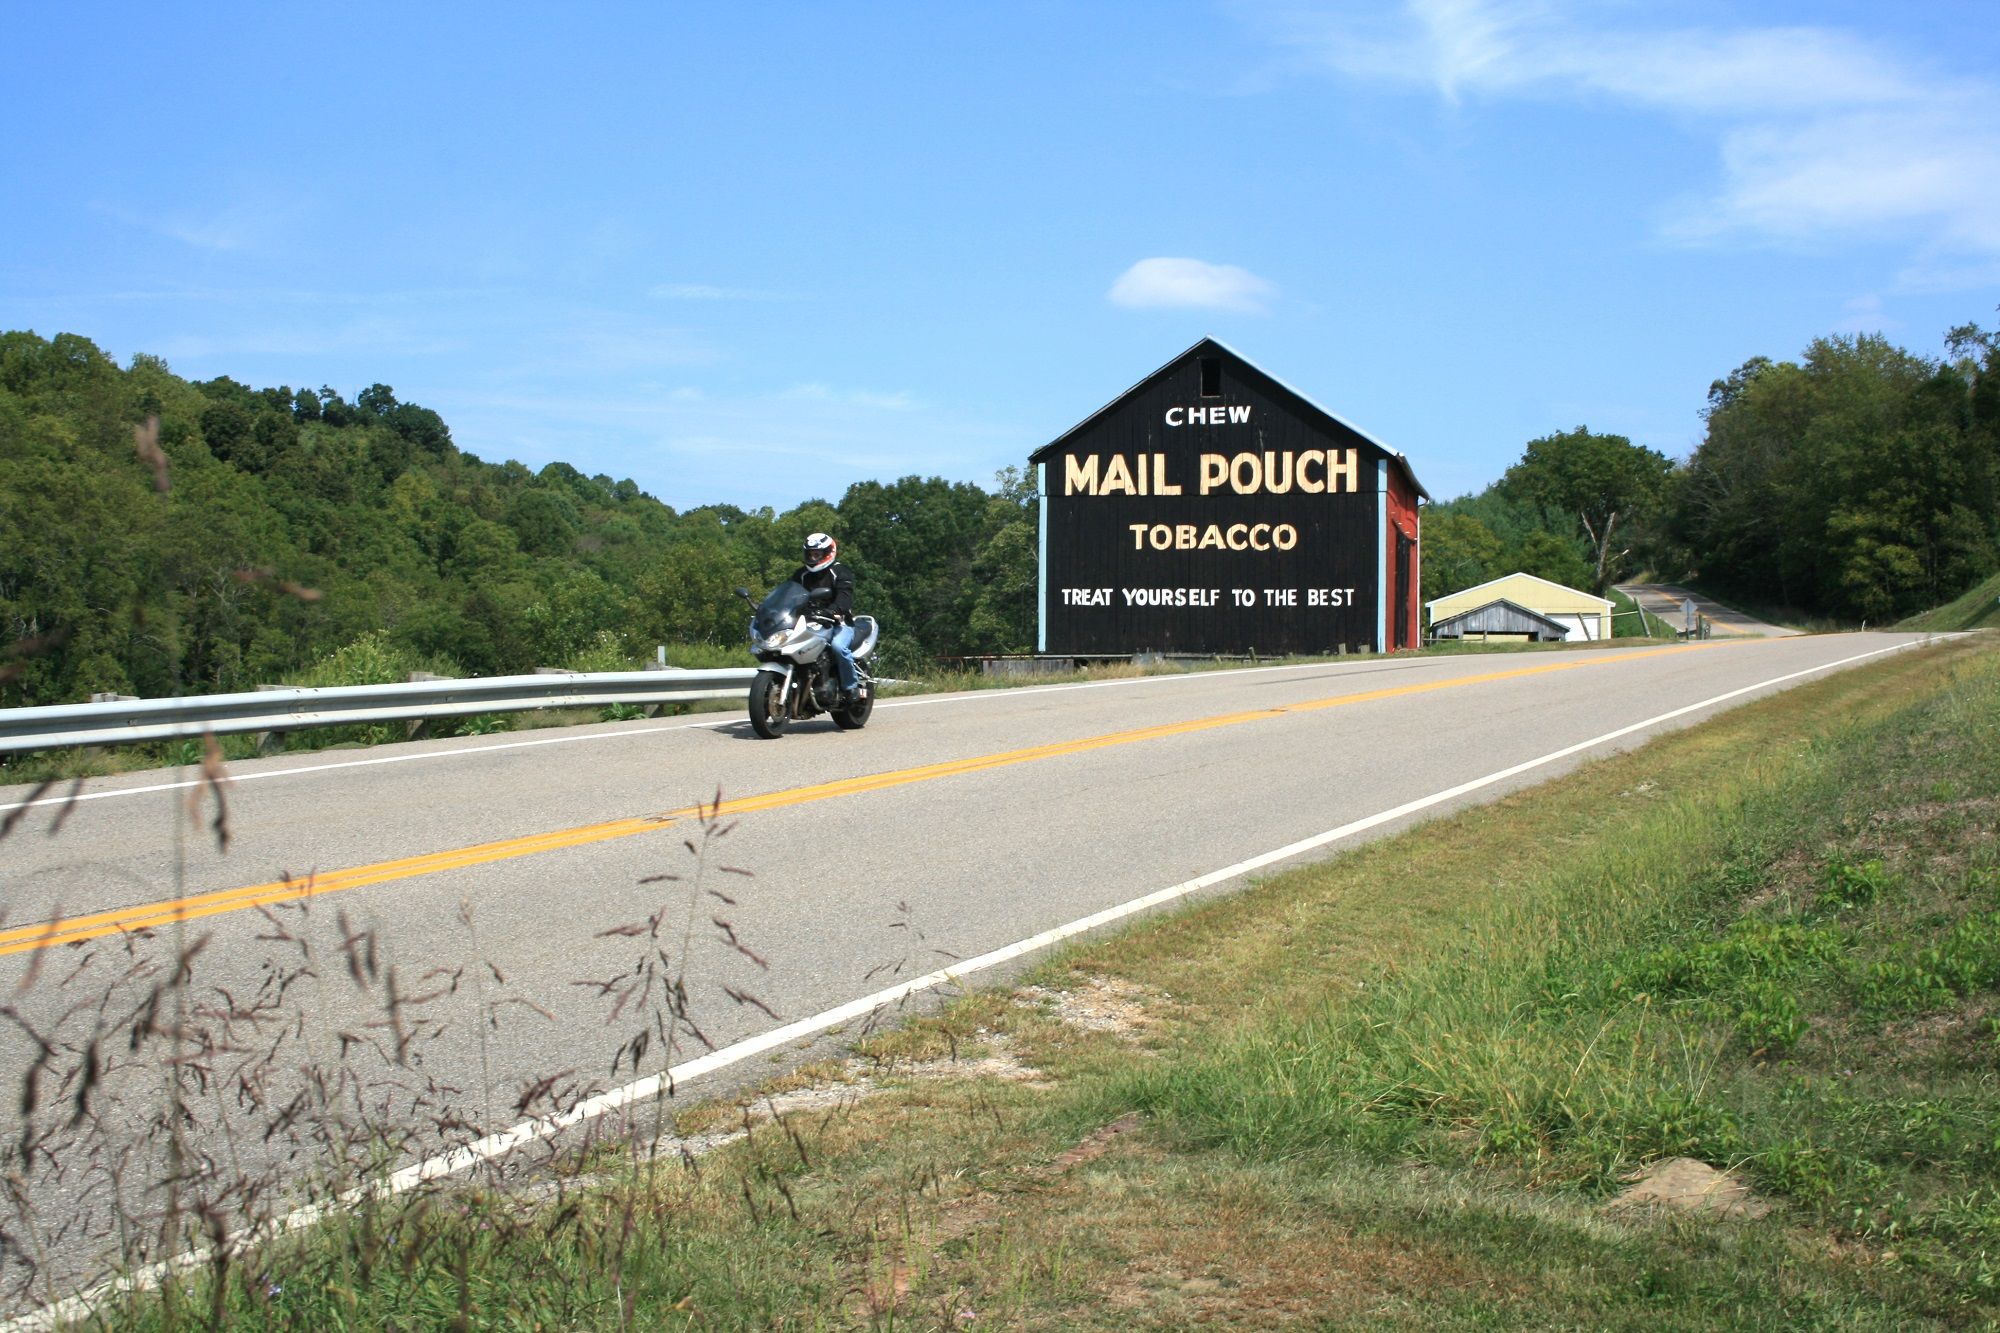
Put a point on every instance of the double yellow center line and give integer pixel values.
(151, 916)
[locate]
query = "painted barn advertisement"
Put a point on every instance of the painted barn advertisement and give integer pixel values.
(1213, 510)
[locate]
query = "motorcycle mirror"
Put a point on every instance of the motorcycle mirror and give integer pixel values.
(744, 593)
(820, 595)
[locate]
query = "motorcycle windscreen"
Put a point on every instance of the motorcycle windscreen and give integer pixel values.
(779, 611)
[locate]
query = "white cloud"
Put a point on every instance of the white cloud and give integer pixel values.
(1190, 284)
(1933, 169)
(1818, 132)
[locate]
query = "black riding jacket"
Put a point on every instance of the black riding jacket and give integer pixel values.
(837, 577)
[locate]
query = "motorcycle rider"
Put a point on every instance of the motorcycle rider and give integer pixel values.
(822, 569)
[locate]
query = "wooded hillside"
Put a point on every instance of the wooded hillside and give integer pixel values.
(289, 527)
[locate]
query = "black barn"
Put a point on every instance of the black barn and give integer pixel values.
(1212, 509)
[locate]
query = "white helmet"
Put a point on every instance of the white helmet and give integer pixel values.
(820, 550)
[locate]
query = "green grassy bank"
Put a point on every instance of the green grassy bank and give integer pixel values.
(1977, 609)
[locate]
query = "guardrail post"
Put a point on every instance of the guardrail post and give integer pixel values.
(419, 728)
(270, 742)
(658, 663)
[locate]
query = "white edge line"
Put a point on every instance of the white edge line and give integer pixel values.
(721, 720)
(528, 1131)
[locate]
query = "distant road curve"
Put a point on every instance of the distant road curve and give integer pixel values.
(1668, 601)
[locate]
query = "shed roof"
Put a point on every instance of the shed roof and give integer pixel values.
(1306, 406)
(1514, 582)
(1555, 626)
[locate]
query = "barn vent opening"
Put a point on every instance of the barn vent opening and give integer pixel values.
(1211, 377)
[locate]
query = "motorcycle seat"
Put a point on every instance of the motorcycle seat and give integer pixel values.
(865, 631)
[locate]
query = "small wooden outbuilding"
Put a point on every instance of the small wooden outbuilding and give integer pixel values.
(1582, 615)
(1501, 620)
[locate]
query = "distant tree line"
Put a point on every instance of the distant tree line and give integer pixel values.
(288, 528)
(1861, 482)
(282, 534)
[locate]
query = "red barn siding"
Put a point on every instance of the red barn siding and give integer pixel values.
(1403, 524)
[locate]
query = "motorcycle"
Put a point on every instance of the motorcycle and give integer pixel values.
(797, 678)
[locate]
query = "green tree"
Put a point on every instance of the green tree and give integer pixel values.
(1459, 552)
(230, 431)
(546, 521)
(1557, 559)
(566, 619)
(688, 596)
(1595, 481)
(911, 544)
(1001, 595)
(1858, 482)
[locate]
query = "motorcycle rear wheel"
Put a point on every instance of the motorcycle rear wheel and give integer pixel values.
(767, 706)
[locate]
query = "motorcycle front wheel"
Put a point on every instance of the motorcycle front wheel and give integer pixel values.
(855, 716)
(767, 706)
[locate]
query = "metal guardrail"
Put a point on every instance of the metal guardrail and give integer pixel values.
(294, 708)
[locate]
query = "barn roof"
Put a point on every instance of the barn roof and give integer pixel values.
(1516, 577)
(1306, 407)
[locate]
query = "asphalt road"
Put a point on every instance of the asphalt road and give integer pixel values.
(1669, 603)
(478, 900)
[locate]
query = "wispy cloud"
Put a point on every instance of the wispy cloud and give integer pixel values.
(1190, 284)
(688, 447)
(610, 341)
(1818, 131)
(900, 401)
(240, 226)
(702, 291)
(1864, 314)
(282, 296)
(375, 336)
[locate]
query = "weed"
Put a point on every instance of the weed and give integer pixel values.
(1769, 1021)
(1846, 885)
(168, 1111)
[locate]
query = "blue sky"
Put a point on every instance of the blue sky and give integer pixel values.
(752, 254)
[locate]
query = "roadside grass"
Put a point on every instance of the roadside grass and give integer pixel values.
(1392, 1089)
(1979, 608)
(1787, 966)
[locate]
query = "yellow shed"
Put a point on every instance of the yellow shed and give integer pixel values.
(1585, 616)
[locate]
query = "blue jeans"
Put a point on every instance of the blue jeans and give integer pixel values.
(841, 643)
